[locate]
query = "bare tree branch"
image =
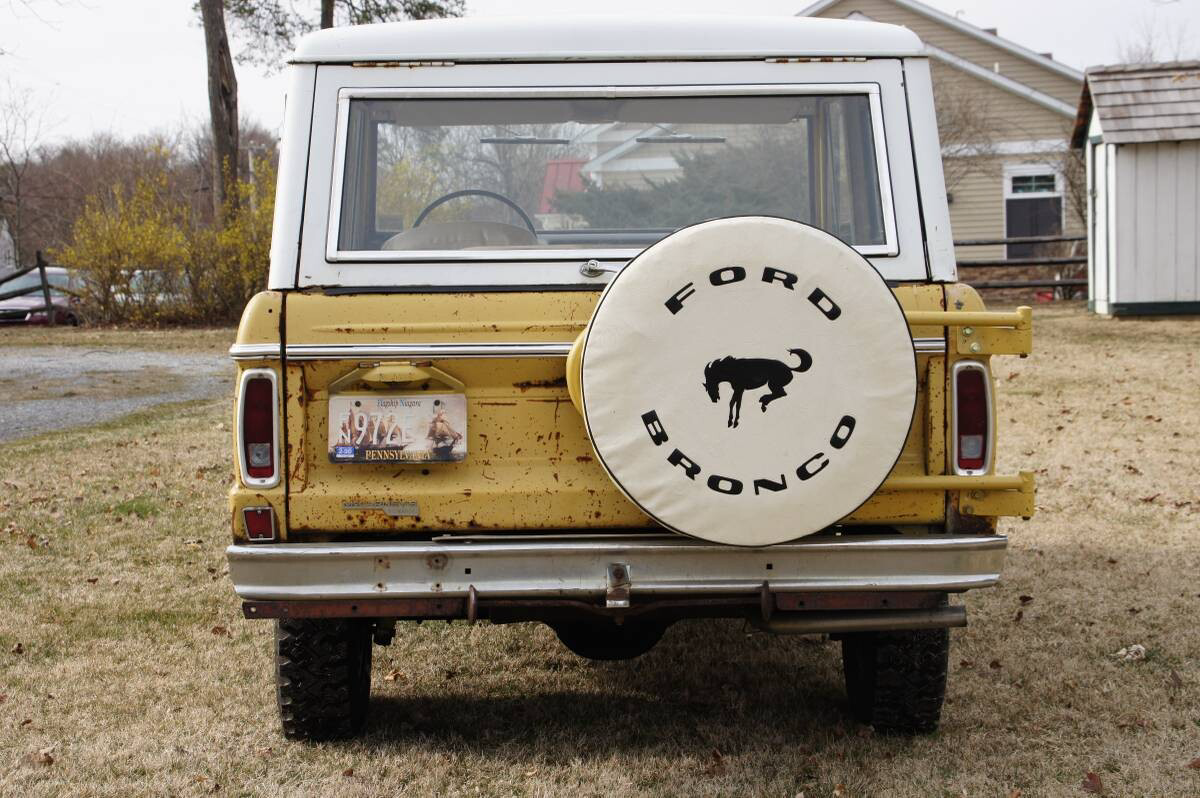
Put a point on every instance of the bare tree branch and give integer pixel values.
(22, 126)
(270, 28)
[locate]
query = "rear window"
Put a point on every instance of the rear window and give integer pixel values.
(488, 178)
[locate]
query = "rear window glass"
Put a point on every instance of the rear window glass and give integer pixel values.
(540, 177)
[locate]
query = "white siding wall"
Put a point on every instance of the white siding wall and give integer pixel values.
(1097, 172)
(1156, 215)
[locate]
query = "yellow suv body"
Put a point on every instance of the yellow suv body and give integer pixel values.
(453, 198)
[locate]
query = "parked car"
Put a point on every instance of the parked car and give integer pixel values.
(735, 378)
(30, 308)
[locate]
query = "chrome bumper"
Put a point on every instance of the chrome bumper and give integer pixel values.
(583, 568)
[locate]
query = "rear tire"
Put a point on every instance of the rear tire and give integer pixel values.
(896, 681)
(322, 677)
(605, 640)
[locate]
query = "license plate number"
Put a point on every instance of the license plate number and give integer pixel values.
(401, 428)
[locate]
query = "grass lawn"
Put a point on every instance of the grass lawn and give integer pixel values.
(126, 668)
(183, 339)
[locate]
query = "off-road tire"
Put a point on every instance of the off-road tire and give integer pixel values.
(896, 681)
(322, 677)
(605, 640)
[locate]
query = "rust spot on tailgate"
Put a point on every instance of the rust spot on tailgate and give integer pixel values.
(558, 382)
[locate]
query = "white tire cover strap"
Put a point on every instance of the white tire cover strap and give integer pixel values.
(787, 318)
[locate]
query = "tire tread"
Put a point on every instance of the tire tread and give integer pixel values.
(323, 677)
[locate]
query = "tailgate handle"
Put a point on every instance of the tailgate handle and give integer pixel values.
(393, 374)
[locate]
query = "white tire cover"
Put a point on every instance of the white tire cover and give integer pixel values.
(749, 301)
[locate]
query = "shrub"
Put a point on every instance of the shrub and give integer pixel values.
(143, 258)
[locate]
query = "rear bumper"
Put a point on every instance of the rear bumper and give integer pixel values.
(599, 568)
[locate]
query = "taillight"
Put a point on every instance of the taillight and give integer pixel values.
(258, 420)
(260, 524)
(972, 418)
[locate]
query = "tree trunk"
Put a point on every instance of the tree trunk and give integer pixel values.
(326, 14)
(222, 106)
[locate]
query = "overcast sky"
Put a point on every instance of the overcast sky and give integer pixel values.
(133, 66)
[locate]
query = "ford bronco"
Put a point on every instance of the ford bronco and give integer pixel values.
(610, 325)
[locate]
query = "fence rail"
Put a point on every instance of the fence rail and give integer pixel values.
(1061, 281)
(43, 287)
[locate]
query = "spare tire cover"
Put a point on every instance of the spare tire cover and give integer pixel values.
(748, 380)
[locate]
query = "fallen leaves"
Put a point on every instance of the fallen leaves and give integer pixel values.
(1092, 784)
(716, 765)
(348, 772)
(393, 676)
(17, 649)
(1024, 599)
(43, 756)
(1133, 653)
(1134, 722)
(1194, 764)
(1149, 499)
(1174, 681)
(995, 665)
(221, 631)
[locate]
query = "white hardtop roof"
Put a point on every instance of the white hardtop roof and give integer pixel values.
(603, 38)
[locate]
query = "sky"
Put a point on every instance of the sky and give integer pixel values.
(136, 66)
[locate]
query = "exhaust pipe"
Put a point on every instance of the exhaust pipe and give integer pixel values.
(806, 623)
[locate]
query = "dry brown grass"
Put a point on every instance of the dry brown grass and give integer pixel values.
(139, 675)
(183, 339)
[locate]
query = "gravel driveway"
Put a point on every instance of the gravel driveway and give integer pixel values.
(47, 388)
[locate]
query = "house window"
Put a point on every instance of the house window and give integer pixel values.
(1034, 184)
(1033, 206)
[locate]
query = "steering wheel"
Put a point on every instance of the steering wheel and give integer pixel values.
(475, 192)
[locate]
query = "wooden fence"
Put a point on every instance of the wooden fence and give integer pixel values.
(43, 287)
(1066, 278)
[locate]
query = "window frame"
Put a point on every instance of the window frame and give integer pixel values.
(871, 89)
(1031, 170)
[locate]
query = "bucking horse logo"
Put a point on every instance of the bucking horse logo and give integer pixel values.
(746, 374)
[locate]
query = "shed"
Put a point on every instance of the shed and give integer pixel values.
(1139, 125)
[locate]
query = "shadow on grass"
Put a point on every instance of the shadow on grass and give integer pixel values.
(707, 686)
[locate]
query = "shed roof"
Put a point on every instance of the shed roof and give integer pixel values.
(1140, 103)
(636, 38)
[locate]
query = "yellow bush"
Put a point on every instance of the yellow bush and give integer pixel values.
(144, 259)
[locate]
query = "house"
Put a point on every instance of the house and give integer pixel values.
(1005, 119)
(1139, 125)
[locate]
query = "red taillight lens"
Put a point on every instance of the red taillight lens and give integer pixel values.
(972, 417)
(260, 523)
(258, 427)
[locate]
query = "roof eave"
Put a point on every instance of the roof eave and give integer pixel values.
(970, 30)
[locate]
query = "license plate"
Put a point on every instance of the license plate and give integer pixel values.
(401, 428)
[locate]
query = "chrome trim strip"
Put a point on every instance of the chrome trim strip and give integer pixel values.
(930, 346)
(559, 567)
(254, 351)
(448, 351)
(427, 351)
